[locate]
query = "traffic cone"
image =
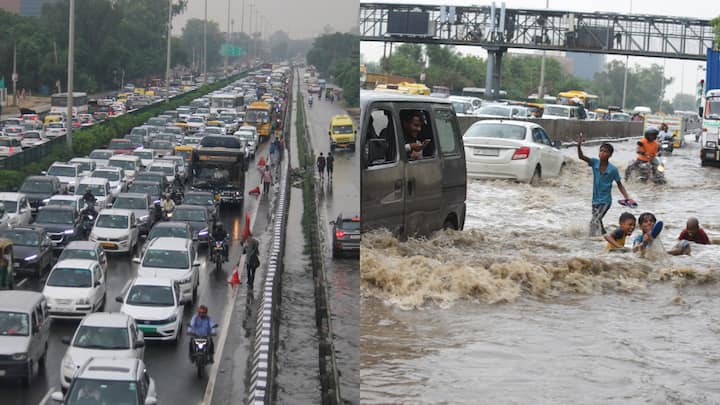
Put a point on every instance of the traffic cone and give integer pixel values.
(235, 278)
(255, 191)
(246, 229)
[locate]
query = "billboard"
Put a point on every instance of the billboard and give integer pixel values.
(712, 78)
(409, 23)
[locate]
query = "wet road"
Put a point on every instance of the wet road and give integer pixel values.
(167, 363)
(525, 308)
(341, 196)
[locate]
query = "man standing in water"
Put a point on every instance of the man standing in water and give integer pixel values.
(604, 173)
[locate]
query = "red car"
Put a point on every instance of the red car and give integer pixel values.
(121, 146)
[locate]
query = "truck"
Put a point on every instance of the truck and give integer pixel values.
(218, 166)
(710, 111)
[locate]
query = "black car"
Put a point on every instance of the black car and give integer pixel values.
(61, 223)
(202, 198)
(198, 218)
(154, 177)
(39, 189)
(152, 188)
(346, 235)
(32, 250)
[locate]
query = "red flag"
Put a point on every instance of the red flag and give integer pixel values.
(246, 230)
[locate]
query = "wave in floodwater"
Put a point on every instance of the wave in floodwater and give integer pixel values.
(469, 265)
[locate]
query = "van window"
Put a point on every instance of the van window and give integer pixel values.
(35, 321)
(380, 139)
(447, 131)
(426, 132)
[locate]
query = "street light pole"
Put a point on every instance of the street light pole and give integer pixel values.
(242, 20)
(627, 62)
(205, 46)
(167, 64)
(71, 63)
(541, 87)
(227, 54)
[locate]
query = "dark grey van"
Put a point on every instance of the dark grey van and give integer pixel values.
(418, 193)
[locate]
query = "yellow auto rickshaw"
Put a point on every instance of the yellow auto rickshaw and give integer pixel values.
(183, 125)
(215, 123)
(7, 279)
(186, 152)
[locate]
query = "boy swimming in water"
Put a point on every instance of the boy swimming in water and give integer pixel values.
(616, 238)
(646, 220)
(691, 233)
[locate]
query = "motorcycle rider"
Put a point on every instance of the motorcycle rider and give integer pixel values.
(665, 135)
(310, 101)
(219, 234)
(168, 205)
(201, 325)
(647, 150)
(89, 198)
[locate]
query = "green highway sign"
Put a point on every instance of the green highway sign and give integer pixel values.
(231, 50)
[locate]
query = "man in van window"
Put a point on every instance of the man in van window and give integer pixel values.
(412, 127)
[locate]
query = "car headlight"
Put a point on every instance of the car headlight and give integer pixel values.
(20, 356)
(204, 232)
(82, 301)
(185, 280)
(45, 201)
(68, 364)
(710, 144)
(172, 318)
(69, 232)
(31, 258)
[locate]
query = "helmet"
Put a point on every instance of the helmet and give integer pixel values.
(651, 131)
(166, 195)
(202, 309)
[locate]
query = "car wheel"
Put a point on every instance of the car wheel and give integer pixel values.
(194, 295)
(449, 224)
(178, 334)
(535, 179)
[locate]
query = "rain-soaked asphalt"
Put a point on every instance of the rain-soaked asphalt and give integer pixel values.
(523, 307)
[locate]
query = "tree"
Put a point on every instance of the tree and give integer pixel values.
(327, 49)
(192, 39)
(683, 102)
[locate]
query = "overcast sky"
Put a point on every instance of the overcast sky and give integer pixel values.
(685, 73)
(299, 18)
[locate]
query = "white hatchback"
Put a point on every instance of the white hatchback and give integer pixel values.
(75, 288)
(174, 259)
(516, 150)
(115, 230)
(101, 334)
(156, 305)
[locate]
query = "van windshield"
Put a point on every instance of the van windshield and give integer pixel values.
(13, 324)
(342, 129)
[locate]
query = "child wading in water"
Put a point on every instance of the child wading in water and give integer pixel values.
(616, 238)
(604, 173)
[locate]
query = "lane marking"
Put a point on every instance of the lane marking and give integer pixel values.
(45, 399)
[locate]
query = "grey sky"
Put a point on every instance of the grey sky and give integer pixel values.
(685, 73)
(299, 18)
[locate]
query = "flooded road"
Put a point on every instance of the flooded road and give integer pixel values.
(524, 307)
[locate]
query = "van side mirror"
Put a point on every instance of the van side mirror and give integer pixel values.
(119, 298)
(556, 144)
(66, 340)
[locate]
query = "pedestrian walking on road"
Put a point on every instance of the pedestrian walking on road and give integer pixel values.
(329, 163)
(267, 180)
(261, 166)
(321, 166)
(252, 259)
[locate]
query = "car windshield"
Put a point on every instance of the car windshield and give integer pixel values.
(100, 155)
(98, 190)
(559, 111)
(189, 215)
(191, 141)
(151, 295)
(196, 120)
(56, 202)
(83, 254)
(120, 144)
(84, 166)
(343, 129)
(198, 200)
(167, 170)
(245, 135)
(169, 232)
(112, 221)
(151, 189)
(495, 110)
(87, 391)
(69, 277)
(139, 131)
(22, 237)
(131, 203)
(214, 130)
(123, 164)
(102, 338)
(143, 154)
(56, 125)
(32, 135)
(54, 216)
(62, 171)
(165, 137)
(111, 175)
(503, 131)
(349, 225)
(10, 206)
(13, 324)
(160, 145)
(166, 259)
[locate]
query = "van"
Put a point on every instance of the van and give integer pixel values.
(24, 334)
(342, 132)
(403, 195)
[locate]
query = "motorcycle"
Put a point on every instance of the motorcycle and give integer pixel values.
(200, 353)
(653, 170)
(218, 254)
(87, 220)
(666, 147)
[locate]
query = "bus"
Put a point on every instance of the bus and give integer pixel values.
(590, 101)
(479, 92)
(58, 103)
(226, 101)
(258, 115)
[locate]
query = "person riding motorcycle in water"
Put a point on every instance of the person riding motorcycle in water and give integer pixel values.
(665, 135)
(647, 150)
(203, 326)
(168, 205)
(219, 234)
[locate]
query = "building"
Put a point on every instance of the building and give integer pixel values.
(30, 8)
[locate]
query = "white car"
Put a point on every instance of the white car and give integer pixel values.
(146, 156)
(33, 138)
(249, 138)
(130, 164)
(101, 334)
(87, 165)
(559, 112)
(100, 188)
(17, 207)
(167, 168)
(173, 259)
(115, 230)
(517, 150)
(83, 249)
(179, 163)
(114, 176)
(156, 305)
(75, 288)
(101, 157)
(55, 129)
(196, 123)
(67, 173)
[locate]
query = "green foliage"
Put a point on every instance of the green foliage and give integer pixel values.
(684, 102)
(644, 85)
(346, 74)
(97, 136)
(335, 55)
(715, 22)
(192, 39)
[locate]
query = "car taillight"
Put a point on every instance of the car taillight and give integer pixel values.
(339, 234)
(521, 153)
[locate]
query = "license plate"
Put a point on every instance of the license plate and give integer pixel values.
(355, 237)
(17, 264)
(485, 152)
(147, 329)
(63, 308)
(109, 245)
